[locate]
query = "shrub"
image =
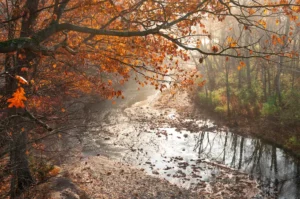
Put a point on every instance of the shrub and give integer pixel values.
(221, 109)
(211, 100)
(290, 112)
(269, 108)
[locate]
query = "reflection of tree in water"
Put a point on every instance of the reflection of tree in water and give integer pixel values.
(276, 172)
(234, 144)
(297, 168)
(274, 167)
(224, 149)
(199, 143)
(241, 152)
(255, 158)
(199, 140)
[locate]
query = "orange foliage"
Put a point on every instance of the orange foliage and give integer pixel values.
(100, 62)
(215, 49)
(54, 172)
(241, 65)
(231, 42)
(18, 99)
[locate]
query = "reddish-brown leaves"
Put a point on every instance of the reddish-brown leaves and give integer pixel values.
(215, 49)
(241, 65)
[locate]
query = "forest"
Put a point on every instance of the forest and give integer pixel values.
(149, 99)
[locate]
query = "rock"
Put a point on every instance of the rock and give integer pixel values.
(155, 172)
(183, 165)
(178, 158)
(167, 168)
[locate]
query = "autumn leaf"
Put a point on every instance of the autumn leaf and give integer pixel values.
(21, 79)
(54, 172)
(265, 12)
(201, 84)
(54, 17)
(215, 49)
(296, 8)
(283, 2)
(231, 42)
(251, 11)
(18, 99)
(276, 39)
(241, 65)
(293, 18)
(24, 69)
(262, 23)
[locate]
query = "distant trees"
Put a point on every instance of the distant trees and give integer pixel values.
(267, 83)
(56, 50)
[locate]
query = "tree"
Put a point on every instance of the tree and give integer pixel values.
(60, 49)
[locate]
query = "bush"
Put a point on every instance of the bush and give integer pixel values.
(269, 108)
(221, 109)
(293, 141)
(213, 100)
(216, 101)
(290, 112)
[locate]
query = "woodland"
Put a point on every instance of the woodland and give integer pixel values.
(57, 55)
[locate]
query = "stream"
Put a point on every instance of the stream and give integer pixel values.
(186, 148)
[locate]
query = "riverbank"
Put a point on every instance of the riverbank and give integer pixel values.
(270, 131)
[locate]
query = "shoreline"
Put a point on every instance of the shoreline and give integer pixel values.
(263, 129)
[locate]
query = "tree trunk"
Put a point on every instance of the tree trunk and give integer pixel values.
(239, 79)
(21, 176)
(264, 80)
(227, 88)
(248, 67)
(277, 82)
(269, 82)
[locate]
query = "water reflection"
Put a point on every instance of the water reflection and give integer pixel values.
(192, 152)
(187, 158)
(277, 172)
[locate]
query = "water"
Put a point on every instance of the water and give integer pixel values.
(188, 151)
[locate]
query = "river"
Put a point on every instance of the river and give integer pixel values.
(184, 147)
